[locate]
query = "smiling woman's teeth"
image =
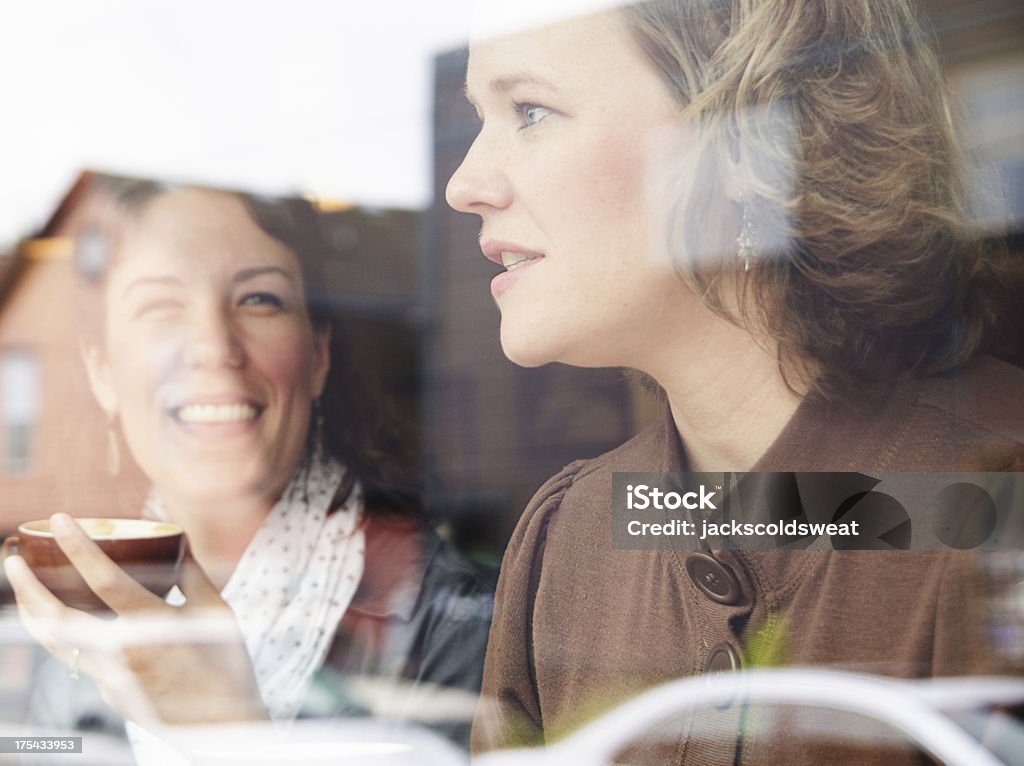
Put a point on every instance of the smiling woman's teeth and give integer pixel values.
(216, 413)
(513, 260)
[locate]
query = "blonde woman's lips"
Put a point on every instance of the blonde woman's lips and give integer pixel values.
(515, 258)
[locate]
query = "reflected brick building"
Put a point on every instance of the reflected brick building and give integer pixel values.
(53, 437)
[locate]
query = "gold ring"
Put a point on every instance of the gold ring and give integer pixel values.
(74, 663)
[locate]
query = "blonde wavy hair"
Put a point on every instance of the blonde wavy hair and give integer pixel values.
(830, 122)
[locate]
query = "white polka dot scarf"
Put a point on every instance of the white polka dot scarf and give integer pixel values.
(295, 581)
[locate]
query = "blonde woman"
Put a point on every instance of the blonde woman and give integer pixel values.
(760, 205)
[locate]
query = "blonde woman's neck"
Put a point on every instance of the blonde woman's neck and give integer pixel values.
(727, 395)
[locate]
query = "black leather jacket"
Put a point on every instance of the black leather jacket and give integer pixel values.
(414, 635)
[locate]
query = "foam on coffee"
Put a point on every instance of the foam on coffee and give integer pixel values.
(109, 529)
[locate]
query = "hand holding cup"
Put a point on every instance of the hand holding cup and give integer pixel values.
(150, 552)
(154, 662)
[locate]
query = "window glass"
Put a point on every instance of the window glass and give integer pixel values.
(19, 389)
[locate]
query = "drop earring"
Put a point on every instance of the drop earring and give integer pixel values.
(746, 239)
(113, 450)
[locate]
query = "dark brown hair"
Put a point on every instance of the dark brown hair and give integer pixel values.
(832, 119)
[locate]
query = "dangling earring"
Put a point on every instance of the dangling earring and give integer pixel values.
(747, 239)
(113, 451)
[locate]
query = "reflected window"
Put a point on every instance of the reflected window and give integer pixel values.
(19, 400)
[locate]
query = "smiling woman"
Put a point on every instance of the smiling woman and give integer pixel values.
(214, 352)
(210, 360)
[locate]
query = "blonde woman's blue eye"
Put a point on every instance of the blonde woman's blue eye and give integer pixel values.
(531, 114)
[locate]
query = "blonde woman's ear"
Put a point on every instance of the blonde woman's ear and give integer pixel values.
(98, 372)
(732, 181)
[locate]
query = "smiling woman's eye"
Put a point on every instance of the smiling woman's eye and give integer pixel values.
(262, 299)
(531, 114)
(155, 307)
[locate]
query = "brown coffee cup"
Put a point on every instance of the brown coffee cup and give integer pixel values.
(149, 551)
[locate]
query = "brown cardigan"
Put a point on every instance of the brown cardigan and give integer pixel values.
(579, 627)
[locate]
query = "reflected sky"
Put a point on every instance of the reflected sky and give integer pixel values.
(323, 97)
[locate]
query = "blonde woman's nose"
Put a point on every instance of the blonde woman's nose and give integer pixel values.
(479, 184)
(213, 340)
